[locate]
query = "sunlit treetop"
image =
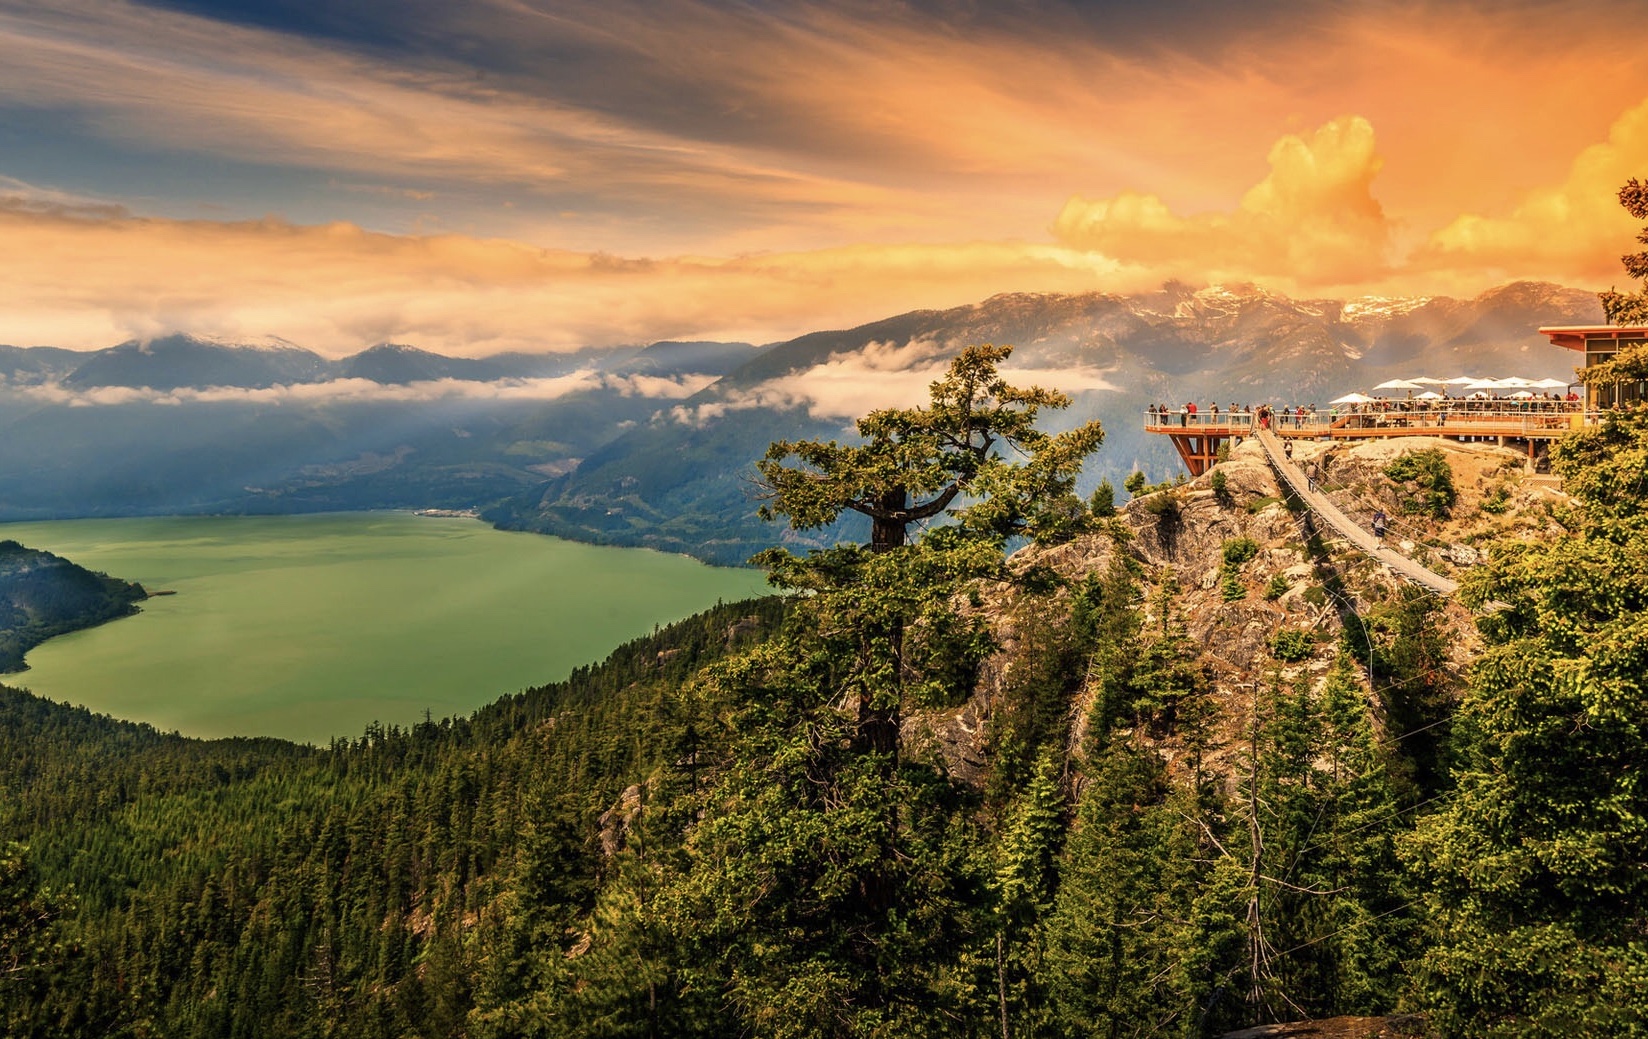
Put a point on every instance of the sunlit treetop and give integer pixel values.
(977, 439)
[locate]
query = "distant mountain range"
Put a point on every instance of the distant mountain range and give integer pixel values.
(654, 446)
(185, 361)
(185, 424)
(684, 482)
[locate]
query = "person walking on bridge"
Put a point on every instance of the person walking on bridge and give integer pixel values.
(1379, 525)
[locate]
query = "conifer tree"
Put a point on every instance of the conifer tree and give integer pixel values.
(911, 465)
(30, 944)
(1538, 865)
(823, 884)
(1326, 892)
(1144, 937)
(1025, 882)
(1631, 308)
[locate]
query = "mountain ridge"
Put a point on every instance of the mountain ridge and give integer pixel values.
(654, 446)
(177, 361)
(688, 485)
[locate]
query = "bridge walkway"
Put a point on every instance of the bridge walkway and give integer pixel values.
(1347, 528)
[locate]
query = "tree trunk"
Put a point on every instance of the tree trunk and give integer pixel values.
(887, 523)
(878, 725)
(1001, 979)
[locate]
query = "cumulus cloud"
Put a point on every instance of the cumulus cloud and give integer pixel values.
(365, 391)
(1575, 227)
(1313, 219)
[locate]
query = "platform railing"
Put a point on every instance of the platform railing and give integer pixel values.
(1545, 418)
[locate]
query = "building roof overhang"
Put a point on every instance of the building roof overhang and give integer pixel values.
(1574, 337)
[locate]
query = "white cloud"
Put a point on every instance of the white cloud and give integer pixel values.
(364, 391)
(881, 375)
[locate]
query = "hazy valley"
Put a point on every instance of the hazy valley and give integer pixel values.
(654, 447)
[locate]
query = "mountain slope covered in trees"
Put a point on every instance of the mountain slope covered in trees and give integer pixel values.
(1175, 768)
(42, 595)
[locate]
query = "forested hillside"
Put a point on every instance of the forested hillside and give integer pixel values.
(42, 595)
(373, 887)
(1175, 768)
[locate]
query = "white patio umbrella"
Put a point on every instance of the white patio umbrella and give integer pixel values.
(1485, 384)
(1461, 380)
(1429, 395)
(1523, 394)
(1426, 380)
(1515, 382)
(1399, 384)
(1549, 384)
(1353, 398)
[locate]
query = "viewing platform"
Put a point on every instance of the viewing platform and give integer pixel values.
(1524, 424)
(1522, 419)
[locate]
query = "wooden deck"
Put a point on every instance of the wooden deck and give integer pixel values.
(1199, 437)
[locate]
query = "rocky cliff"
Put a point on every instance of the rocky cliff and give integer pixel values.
(1297, 578)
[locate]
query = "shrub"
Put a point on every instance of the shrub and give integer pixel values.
(1220, 491)
(1231, 587)
(1134, 483)
(1239, 550)
(1162, 504)
(1277, 588)
(1291, 645)
(1495, 501)
(1427, 482)
(1316, 595)
(1260, 504)
(1103, 502)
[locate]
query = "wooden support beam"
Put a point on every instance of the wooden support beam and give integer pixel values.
(1198, 451)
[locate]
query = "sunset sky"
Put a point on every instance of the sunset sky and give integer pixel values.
(546, 174)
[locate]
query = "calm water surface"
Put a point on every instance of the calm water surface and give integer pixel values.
(310, 627)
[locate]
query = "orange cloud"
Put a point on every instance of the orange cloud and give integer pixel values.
(1575, 229)
(1312, 220)
(77, 278)
(80, 273)
(729, 128)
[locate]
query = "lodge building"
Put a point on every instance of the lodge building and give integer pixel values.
(1600, 343)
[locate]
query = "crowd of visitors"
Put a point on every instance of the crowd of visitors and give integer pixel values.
(1300, 416)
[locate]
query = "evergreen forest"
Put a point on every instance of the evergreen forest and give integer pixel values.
(792, 818)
